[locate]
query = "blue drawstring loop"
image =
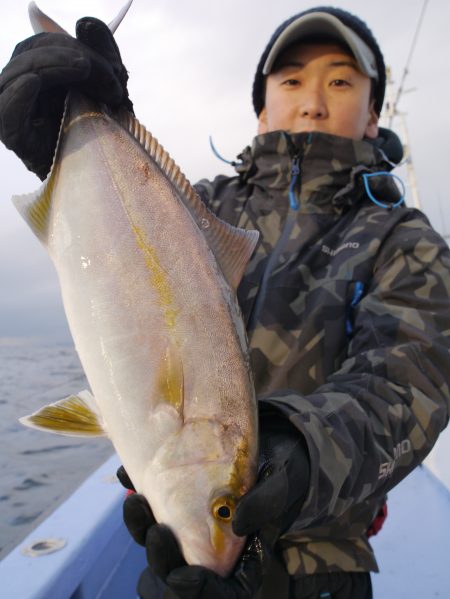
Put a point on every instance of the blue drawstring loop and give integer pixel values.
(295, 172)
(366, 177)
(217, 155)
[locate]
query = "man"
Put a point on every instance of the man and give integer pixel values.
(346, 300)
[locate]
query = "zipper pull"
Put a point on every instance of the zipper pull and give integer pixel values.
(358, 291)
(295, 172)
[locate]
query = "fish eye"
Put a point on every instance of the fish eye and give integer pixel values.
(223, 508)
(224, 512)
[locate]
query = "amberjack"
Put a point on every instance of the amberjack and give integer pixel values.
(148, 279)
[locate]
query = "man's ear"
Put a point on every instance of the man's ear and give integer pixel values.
(262, 122)
(371, 131)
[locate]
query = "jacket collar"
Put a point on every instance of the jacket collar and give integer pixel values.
(329, 166)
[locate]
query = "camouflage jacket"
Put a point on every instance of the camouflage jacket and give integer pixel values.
(347, 306)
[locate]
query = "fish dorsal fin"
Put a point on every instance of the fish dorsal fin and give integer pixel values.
(232, 247)
(76, 415)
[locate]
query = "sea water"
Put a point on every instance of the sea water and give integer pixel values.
(38, 470)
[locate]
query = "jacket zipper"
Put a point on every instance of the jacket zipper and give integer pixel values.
(295, 172)
(287, 230)
(358, 292)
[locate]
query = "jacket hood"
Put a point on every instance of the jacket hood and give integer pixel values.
(330, 166)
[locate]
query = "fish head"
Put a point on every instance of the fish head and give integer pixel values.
(199, 509)
(197, 498)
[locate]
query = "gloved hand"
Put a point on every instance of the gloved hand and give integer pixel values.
(263, 514)
(273, 504)
(34, 84)
(168, 564)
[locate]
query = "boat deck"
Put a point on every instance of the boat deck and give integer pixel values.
(99, 560)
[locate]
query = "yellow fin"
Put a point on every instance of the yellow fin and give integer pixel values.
(170, 384)
(35, 207)
(76, 415)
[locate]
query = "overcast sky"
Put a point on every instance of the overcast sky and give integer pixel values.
(191, 65)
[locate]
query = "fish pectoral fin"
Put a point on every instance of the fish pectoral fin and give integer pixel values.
(170, 382)
(76, 415)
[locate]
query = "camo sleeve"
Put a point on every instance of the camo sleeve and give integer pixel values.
(222, 190)
(378, 416)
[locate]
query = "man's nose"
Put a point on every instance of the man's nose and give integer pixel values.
(313, 105)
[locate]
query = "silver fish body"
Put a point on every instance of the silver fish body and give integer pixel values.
(148, 278)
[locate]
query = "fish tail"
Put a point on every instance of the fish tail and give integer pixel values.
(41, 23)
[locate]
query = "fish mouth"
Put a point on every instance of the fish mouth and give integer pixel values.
(221, 563)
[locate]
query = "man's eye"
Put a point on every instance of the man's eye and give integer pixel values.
(339, 83)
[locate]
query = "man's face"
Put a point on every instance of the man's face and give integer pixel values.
(318, 87)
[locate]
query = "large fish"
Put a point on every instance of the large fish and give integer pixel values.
(148, 278)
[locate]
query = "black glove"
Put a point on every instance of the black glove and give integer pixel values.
(34, 84)
(273, 504)
(263, 514)
(167, 563)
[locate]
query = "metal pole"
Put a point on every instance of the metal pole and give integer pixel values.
(412, 180)
(389, 113)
